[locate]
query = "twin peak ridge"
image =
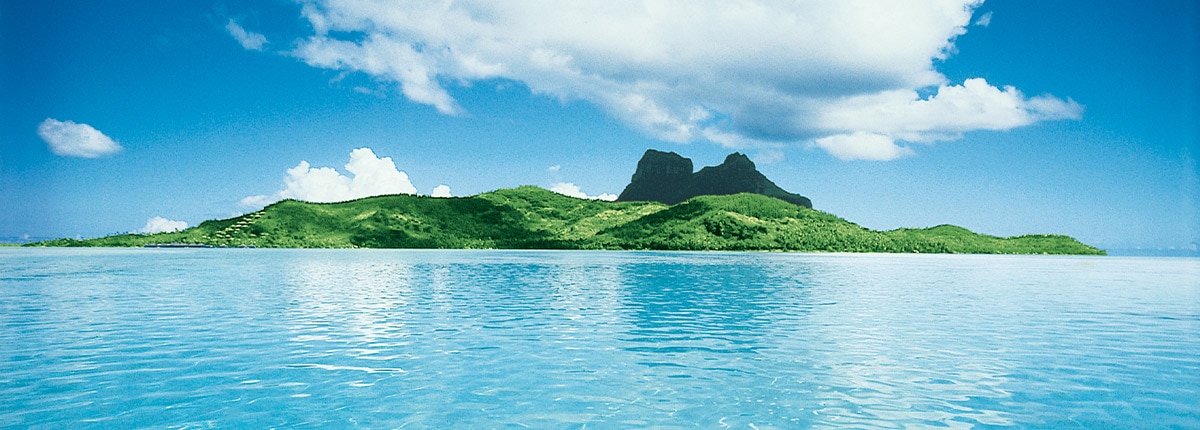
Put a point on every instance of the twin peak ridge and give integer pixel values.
(668, 177)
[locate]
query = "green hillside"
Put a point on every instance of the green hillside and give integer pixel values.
(534, 218)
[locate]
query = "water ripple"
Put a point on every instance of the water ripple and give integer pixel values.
(270, 338)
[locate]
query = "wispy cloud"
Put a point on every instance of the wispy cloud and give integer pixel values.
(249, 40)
(984, 20)
(258, 201)
(738, 74)
(768, 156)
(69, 139)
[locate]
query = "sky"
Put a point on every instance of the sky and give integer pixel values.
(1006, 117)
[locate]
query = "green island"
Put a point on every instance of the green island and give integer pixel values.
(534, 218)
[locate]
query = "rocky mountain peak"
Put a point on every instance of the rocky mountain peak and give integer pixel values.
(738, 160)
(662, 165)
(667, 177)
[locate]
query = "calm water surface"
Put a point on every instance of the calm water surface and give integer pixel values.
(506, 339)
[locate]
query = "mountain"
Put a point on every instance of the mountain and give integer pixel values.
(667, 177)
(532, 217)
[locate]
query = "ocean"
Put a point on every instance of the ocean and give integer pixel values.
(261, 338)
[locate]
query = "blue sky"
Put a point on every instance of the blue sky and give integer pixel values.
(1015, 117)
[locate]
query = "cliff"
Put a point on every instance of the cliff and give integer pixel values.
(667, 177)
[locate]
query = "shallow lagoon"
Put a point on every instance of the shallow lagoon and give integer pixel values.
(554, 339)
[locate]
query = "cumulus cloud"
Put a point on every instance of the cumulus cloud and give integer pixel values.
(752, 73)
(441, 191)
(69, 139)
(570, 189)
(249, 40)
(369, 176)
(162, 225)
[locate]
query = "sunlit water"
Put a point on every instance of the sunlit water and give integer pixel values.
(506, 339)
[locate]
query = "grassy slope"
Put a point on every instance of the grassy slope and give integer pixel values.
(531, 217)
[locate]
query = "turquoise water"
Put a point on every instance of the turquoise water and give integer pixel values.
(117, 338)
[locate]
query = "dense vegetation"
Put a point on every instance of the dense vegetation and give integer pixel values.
(531, 217)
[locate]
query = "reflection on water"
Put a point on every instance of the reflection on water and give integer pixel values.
(724, 306)
(341, 296)
(270, 338)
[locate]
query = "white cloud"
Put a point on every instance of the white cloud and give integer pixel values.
(258, 201)
(984, 20)
(769, 156)
(162, 225)
(369, 176)
(955, 109)
(862, 146)
(441, 191)
(740, 74)
(69, 139)
(248, 39)
(570, 189)
(382, 56)
(554, 168)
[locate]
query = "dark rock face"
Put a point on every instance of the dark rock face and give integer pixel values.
(660, 177)
(667, 177)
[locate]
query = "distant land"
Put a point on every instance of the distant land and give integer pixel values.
(534, 218)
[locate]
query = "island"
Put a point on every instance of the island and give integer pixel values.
(666, 206)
